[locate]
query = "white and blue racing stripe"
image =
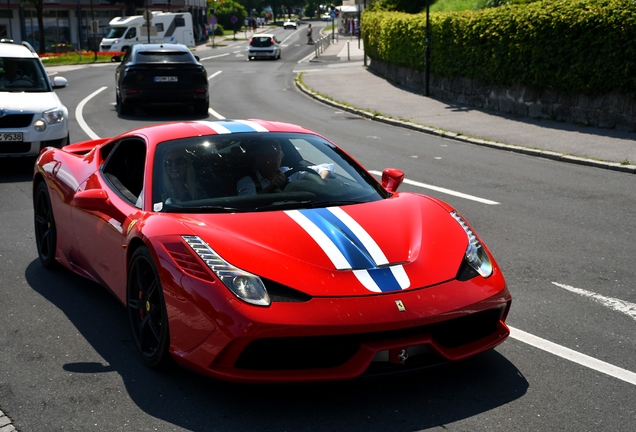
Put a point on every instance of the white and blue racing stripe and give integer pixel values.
(350, 247)
(233, 126)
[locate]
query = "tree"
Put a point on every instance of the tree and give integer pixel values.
(39, 10)
(226, 9)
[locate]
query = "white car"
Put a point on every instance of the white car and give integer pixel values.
(31, 115)
(289, 24)
(264, 45)
(326, 16)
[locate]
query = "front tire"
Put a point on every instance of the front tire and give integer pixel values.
(45, 229)
(147, 312)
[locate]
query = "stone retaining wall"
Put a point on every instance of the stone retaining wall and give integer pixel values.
(612, 111)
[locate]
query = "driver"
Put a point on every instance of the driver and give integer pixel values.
(11, 75)
(269, 175)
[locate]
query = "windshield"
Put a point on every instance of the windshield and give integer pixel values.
(116, 32)
(250, 172)
(22, 75)
(164, 57)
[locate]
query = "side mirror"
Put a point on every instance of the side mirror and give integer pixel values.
(59, 82)
(392, 178)
(92, 200)
(197, 57)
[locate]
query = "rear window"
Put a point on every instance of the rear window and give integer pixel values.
(261, 42)
(165, 57)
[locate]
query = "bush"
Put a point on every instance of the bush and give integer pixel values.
(574, 46)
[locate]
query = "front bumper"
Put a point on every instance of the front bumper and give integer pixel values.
(176, 96)
(55, 135)
(329, 338)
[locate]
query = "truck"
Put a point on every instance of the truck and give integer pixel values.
(165, 27)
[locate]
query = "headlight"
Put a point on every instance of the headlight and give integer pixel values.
(53, 116)
(476, 257)
(244, 285)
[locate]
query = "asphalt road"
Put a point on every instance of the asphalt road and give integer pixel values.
(562, 233)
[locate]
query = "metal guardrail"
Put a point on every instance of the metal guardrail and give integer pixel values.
(321, 44)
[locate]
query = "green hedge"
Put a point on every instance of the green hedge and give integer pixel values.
(573, 46)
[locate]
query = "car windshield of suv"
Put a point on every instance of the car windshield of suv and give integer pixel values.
(22, 75)
(220, 174)
(164, 57)
(116, 32)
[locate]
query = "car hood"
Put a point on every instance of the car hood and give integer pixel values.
(16, 102)
(405, 242)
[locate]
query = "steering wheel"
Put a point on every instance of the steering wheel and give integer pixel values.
(295, 170)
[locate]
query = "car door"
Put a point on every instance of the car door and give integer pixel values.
(107, 203)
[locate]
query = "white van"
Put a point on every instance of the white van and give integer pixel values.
(164, 28)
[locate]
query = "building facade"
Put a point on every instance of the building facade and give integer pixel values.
(67, 24)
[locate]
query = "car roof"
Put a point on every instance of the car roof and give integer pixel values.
(10, 49)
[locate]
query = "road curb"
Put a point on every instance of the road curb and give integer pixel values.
(5, 423)
(557, 156)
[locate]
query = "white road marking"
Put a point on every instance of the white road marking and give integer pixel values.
(214, 56)
(444, 190)
(574, 356)
(210, 110)
(216, 114)
(618, 305)
(80, 118)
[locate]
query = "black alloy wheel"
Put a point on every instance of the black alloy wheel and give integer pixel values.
(45, 231)
(147, 310)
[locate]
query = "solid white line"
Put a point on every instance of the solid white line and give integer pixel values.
(574, 356)
(444, 190)
(80, 117)
(210, 110)
(216, 114)
(619, 305)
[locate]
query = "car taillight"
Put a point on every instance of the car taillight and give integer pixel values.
(271, 41)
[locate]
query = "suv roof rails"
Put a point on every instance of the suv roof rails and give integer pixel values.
(28, 45)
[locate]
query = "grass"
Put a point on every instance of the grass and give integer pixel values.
(77, 57)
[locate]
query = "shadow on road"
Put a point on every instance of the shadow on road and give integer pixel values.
(14, 170)
(187, 400)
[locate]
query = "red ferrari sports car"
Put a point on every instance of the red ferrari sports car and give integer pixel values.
(259, 251)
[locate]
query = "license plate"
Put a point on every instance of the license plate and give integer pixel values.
(166, 79)
(11, 136)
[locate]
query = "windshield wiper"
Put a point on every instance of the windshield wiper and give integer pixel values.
(201, 209)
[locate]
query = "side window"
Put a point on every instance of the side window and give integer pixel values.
(132, 32)
(125, 168)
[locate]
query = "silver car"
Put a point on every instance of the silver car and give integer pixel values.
(264, 45)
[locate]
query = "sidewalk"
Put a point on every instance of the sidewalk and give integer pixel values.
(338, 77)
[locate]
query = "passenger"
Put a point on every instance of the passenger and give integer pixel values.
(178, 178)
(269, 175)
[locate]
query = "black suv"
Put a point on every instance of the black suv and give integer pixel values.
(161, 74)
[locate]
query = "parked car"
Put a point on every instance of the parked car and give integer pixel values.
(330, 275)
(31, 114)
(326, 16)
(160, 74)
(291, 25)
(264, 45)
